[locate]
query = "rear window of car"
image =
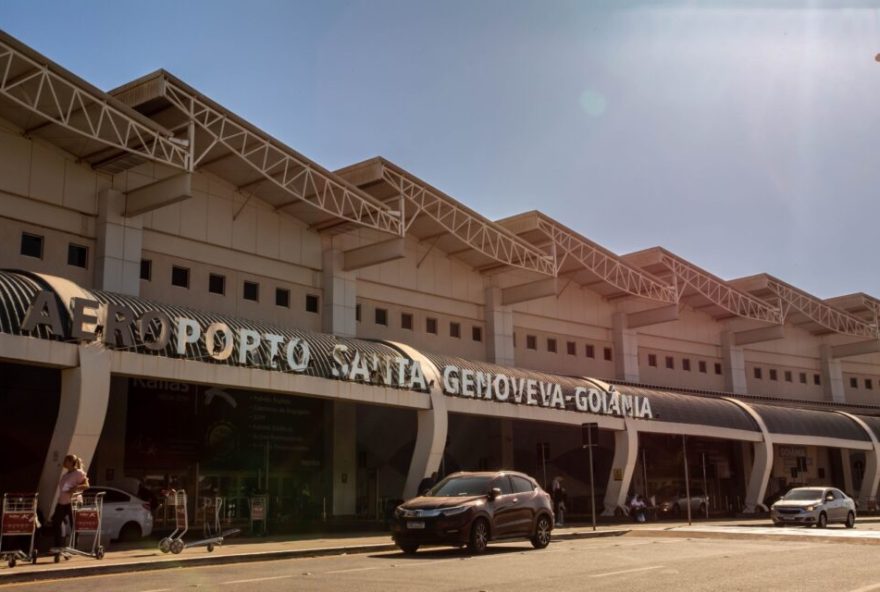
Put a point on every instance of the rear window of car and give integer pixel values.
(461, 487)
(521, 485)
(110, 495)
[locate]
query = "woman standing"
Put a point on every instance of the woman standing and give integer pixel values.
(72, 483)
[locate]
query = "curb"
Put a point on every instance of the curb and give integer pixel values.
(219, 559)
(793, 538)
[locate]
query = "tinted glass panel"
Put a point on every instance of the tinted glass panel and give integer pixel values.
(521, 485)
(502, 483)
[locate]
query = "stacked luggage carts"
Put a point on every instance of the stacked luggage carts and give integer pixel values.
(212, 534)
(88, 512)
(19, 521)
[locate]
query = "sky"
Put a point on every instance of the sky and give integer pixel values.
(741, 135)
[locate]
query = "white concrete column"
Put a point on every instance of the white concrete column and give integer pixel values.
(340, 294)
(432, 427)
(733, 362)
(82, 408)
(871, 478)
(344, 458)
(626, 349)
(499, 329)
(118, 245)
(762, 462)
(832, 376)
(626, 455)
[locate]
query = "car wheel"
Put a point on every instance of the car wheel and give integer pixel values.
(850, 520)
(541, 537)
(479, 539)
(823, 520)
(130, 532)
(408, 548)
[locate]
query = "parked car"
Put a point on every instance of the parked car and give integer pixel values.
(675, 503)
(814, 505)
(474, 508)
(126, 517)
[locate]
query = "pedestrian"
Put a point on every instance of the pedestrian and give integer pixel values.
(427, 483)
(557, 495)
(72, 483)
(637, 508)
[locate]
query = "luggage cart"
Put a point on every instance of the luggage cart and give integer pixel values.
(19, 520)
(212, 535)
(88, 516)
(174, 541)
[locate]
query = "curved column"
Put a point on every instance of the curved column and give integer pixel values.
(432, 427)
(85, 392)
(871, 479)
(626, 454)
(762, 462)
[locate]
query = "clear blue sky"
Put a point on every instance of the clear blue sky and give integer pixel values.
(740, 134)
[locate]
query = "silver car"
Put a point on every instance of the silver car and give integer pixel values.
(814, 505)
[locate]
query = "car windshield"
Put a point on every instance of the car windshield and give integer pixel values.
(799, 495)
(460, 487)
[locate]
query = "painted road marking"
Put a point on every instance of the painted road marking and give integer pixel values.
(625, 571)
(256, 580)
(867, 588)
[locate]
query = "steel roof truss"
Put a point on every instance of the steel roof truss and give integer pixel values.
(820, 313)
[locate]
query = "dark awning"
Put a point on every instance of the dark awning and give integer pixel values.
(807, 422)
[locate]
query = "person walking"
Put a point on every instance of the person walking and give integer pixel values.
(557, 495)
(72, 483)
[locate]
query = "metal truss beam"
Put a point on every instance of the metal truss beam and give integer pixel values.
(734, 301)
(481, 235)
(605, 265)
(291, 172)
(819, 312)
(45, 93)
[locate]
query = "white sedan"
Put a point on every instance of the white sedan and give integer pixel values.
(125, 517)
(814, 506)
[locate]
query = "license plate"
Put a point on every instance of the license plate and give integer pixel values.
(415, 524)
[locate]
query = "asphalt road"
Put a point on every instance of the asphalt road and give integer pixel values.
(642, 562)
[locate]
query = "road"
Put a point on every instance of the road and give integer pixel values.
(643, 562)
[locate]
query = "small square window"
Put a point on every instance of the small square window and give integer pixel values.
(431, 325)
(606, 353)
(670, 363)
(357, 313)
(854, 382)
(455, 330)
(702, 366)
(32, 245)
(869, 384)
(531, 342)
(179, 276)
(146, 269)
(590, 351)
(477, 334)
(216, 284)
(686, 364)
(571, 348)
(803, 377)
(251, 291)
(406, 321)
(312, 303)
(282, 298)
(817, 380)
(759, 374)
(652, 360)
(718, 369)
(551, 345)
(381, 316)
(788, 376)
(77, 255)
(773, 374)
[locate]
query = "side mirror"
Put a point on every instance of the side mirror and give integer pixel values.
(493, 493)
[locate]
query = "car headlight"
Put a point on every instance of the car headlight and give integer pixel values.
(398, 512)
(809, 508)
(455, 511)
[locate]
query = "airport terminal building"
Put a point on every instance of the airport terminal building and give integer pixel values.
(185, 301)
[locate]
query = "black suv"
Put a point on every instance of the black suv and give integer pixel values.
(475, 508)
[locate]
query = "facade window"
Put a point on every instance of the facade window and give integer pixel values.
(179, 276)
(357, 313)
(455, 330)
(803, 377)
(853, 382)
(686, 364)
(670, 363)
(406, 320)
(773, 374)
(251, 291)
(531, 342)
(817, 380)
(869, 384)
(606, 352)
(146, 269)
(717, 368)
(77, 255)
(381, 317)
(788, 376)
(701, 365)
(31, 245)
(282, 298)
(216, 284)
(571, 348)
(312, 303)
(652, 360)
(431, 325)
(590, 351)
(477, 334)
(759, 374)
(551, 345)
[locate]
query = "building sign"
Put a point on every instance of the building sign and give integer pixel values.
(596, 397)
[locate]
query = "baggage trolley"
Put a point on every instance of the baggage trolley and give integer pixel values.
(19, 520)
(212, 535)
(174, 541)
(88, 516)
